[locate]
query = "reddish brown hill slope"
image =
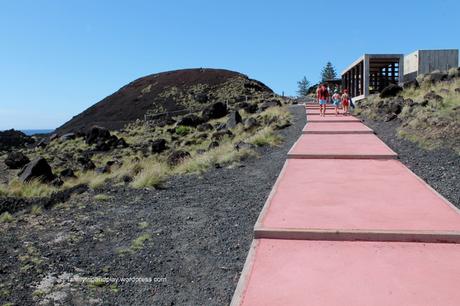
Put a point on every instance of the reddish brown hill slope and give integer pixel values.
(166, 91)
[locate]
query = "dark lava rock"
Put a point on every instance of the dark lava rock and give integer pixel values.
(390, 117)
(250, 123)
(67, 173)
(57, 182)
(213, 144)
(102, 170)
(432, 96)
(68, 136)
(121, 143)
(424, 103)
(390, 91)
(436, 76)
(267, 104)
(215, 111)
(409, 102)
(396, 105)
(204, 127)
(54, 137)
(244, 145)
(13, 139)
(221, 134)
(234, 118)
(251, 108)
(158, 145)
(42, 143)
(36, 169)
(280, 126)
(16, 160)
(410, 84)
(190, 120)
(127, 178)
(176, 157)
(221, 127)
(86, 163)
(201, 97)
(102, 146)
(97, 134)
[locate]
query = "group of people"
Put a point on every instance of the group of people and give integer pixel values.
(324, 96)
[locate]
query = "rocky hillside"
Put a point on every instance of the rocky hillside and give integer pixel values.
(427, 110)
(188, 89)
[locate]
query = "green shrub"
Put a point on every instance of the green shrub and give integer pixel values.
(182, 130)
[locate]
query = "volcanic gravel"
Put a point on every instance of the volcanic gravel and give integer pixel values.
(440, 168)
(196, 234)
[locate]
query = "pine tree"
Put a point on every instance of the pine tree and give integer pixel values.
(328, 72)
(303, 86)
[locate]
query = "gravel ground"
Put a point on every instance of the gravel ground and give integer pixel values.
(440, 168)
(191, 238)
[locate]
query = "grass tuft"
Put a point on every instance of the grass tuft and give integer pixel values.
(6, 217)
(153, 174)
(102, 197)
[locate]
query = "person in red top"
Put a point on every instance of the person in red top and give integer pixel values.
(345, 101)
(322, 97)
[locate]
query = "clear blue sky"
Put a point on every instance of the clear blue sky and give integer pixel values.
(59, 57)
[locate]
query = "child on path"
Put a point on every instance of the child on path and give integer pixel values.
(336, 98)
(345, 101)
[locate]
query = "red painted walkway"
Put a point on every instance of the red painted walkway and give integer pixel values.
(348, 224)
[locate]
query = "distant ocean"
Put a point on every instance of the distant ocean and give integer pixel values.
(33, 132)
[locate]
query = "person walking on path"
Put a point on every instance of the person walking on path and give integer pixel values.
(322, 99)
(345, 101)
(336, 99)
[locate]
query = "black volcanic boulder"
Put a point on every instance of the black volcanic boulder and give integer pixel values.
(97, 134)
(67, 173)
(234, 118)
(190, 120)
(176, 157)
(36, 169)
(13, 139)
(250, 108)
(16, 160)
(86, 163)
(158, 145)
(250, 123)
(267, 104)
(432, 96)
(67, 136)
(221, 134)
(215, 111)
(390, 91)
(204, 127)
(396, 105)
(201, 97)
(212, 145)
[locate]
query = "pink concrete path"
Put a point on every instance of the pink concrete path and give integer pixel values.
(362, 199)
(348, 224)
(336, 128)
(332, 118)
(340, 146)
(297, 272)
